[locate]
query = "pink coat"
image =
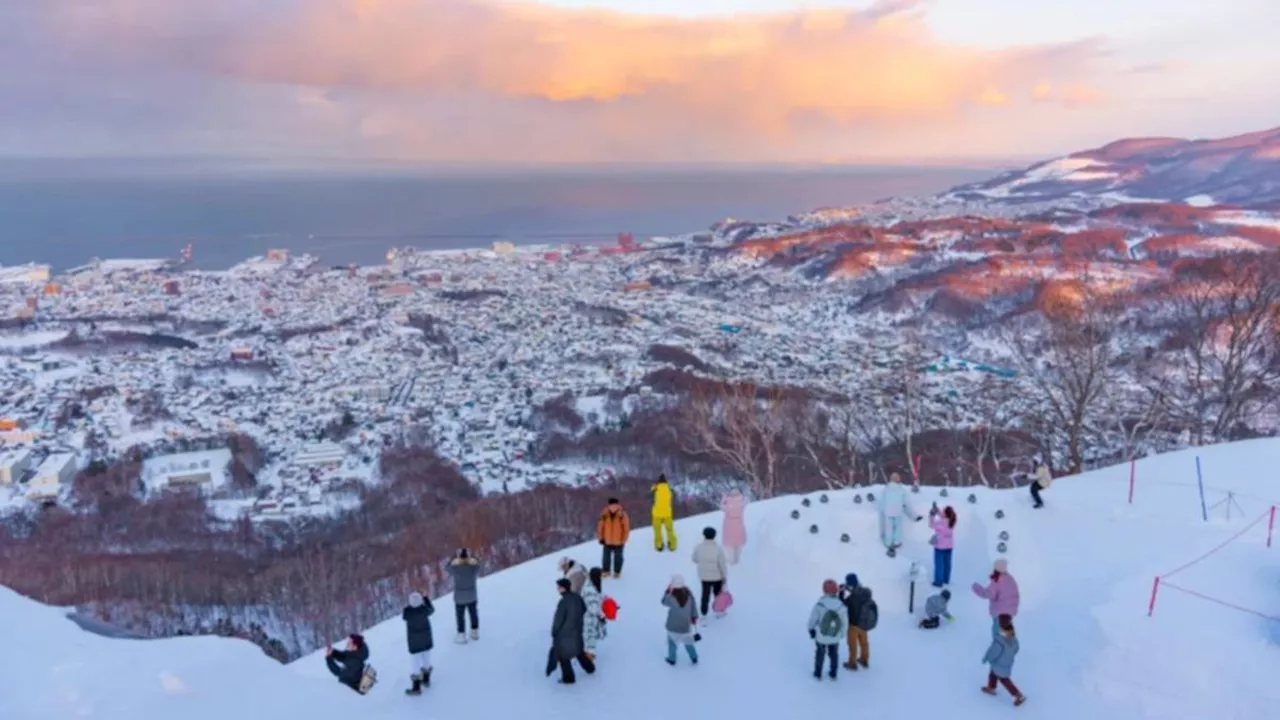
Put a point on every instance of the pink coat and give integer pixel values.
(944, 531)
(1001, 595)
(734, 533)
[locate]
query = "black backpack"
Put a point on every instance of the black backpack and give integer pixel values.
(869, 615)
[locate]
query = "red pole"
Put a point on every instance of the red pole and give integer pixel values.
(1155, 588)
(1133, 469)
(1271, 526)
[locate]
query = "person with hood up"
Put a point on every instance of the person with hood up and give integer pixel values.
(682, 620)
(893, 506)
(943, 525)
(863, 616)
(566, 635)
(575, 572)
(1000, 655)
(935, 608)
(734, 532)
(612, 530)
(417, 625)
(348, 665)
(465, 571)
(662, 516)
(1041, 479)
(593, 626)
(713, 567)
(1001, 594)
(828, 623)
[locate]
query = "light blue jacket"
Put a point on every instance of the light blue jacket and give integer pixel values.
(893, 501)
(1000, 655)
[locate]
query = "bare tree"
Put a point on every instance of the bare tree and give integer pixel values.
(994, 405)
(904, 402)
(831, 438)
(1227, 368)
(740, 426)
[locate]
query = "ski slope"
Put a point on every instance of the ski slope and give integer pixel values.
(1085, 564)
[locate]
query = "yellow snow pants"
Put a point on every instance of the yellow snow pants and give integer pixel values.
(659, 523)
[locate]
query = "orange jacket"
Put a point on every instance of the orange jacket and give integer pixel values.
(613, 528)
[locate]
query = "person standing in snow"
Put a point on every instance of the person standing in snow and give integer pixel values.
(713, 567)
(417, 625)
(612, 530)
(893, 507)
(566, 635)
(734, 531)
(662, 516)
(828, 623)
(1001, 594)
(863, 616)
(682, 620)
(348, 665)
(575, 572)
(593, 625)
(465, 571)
(1041, 479)
(1000, 655)
(935, 608)
(943, 525)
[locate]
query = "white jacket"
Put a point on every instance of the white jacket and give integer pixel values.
(710, 559)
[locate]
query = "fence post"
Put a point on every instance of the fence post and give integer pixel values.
(1204, 509)
(1155, 588)
(1271, 526)
(1133, 469)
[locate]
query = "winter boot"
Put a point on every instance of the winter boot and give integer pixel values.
(416, 689)
(851, 665)
(670, 661)
(475, 633)
(1019, 700)
(863, 663)
(989, 690)
(426, 677)
(461, 639)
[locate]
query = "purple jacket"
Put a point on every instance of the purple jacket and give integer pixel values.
(1001, 595)
(946, 539)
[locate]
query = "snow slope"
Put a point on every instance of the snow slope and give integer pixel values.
(1085, 564)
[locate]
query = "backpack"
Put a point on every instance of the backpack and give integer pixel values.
(869, 616)
(609, 608)
(367, 680)
(829, 625)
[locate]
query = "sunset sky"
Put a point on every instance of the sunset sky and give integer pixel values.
(472, 81)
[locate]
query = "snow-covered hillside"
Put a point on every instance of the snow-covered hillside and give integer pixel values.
(1085, 564)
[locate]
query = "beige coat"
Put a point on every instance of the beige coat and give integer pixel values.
(1043, 477)
(711, 562)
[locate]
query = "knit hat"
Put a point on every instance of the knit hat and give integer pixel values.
(612, 501)
(1001, 565)
(851, 580)
(946, 594)
(677, 581)
(829, 587)
(564, 583)
(709, 533)
(415, 599)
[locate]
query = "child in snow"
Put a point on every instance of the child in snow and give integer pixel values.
(575, 572)
(593, 624)
(1041, 479)
(1001, 594)
(348, 665)
(465, 570)
(417, 625)
(828, 623)
(893, 507)
(1004, 648)
(734, 532)
(713, 567)
(935, 608)
(682, 620)
(943, 525)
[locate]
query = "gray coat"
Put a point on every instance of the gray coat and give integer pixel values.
(829, 602)
(935, 606)
(566, 627)
(1004, 648)
(465, 572)
(680, 619)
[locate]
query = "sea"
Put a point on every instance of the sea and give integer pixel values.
(355, 218)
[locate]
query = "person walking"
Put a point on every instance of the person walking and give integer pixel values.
(417, 626)
(734, 530)
(465, 571)
(575, 572)
(1000, 656)
(612, 530)
(893, 507)
(713, 567)
(1041, 479)
(566, 635)
(828, 623)
(349, 665)
(682, 620)
(943, 525)
(1001, 594)
(593, 625)
(662, 516)
(863, 614)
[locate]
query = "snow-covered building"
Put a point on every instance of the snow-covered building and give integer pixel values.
(320, 455)
(56, 470)
(208, 468)
(13, 463)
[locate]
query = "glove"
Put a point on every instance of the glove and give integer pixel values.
(813, 634)
(919, 518)
(697, 637)
(601, 542)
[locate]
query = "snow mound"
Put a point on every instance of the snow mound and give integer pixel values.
(1085, 564)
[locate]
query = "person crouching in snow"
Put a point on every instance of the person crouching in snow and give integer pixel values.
(935, 608)
(893, 507)
(348, 665)
(734, 532)
(1001, 594)
(1000, 656)
(682, 620)
(417, 625)
(465, 570)
(575, 572)
(828, 623)
(593, 625)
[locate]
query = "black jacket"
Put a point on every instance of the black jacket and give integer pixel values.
(566, 628)
(855, 599)
(348, 666)
(417, 625)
